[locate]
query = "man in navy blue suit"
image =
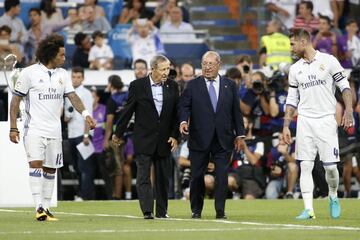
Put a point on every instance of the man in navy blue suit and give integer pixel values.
(209, 112)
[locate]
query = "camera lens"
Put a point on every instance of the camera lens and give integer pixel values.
(246, 68)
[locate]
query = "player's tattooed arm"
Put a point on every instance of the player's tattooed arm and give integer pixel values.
(76, 102)
(347, 97)
(347, 119)
(289, 114)
(14, 110)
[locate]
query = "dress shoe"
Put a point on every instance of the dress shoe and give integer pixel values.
(221, 216)
(196, 215)
(162, 216)
(148, 215)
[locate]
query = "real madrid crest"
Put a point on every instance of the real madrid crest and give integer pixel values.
(322, 67)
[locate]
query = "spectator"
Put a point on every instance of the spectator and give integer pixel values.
(162, 12)
(90, 23)
(72, 13)
(255, 104)
(187, 72)
(330, 8)
(282, 165)
(349, 45)
(50, 14)
(144, 40)
(98, 138)
(246, 175)
(354, 8)
(127, 173)
(325, 40)
(78, 132)
(176, 29)
(100, 55)
(133, 10)
(284, 10)
(184, 163)
(81, 53)
(5, 46)
(140, 68)
(9, 18)
(41, 29)
(245, 65)
(306, 19)
(235, 75)
(99, 11)
(275, 46)
(115, 103)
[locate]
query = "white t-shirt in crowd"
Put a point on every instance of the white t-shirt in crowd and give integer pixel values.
(76, 124)
(102, 53)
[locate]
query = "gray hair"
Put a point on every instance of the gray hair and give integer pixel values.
(158, 59)
(218, 59)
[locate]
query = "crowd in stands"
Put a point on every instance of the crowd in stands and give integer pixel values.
(266, 168)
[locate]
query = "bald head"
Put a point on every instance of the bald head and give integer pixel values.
(211, 54)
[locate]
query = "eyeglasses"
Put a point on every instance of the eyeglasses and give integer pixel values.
(210, 64)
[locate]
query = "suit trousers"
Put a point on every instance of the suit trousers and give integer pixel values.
(199, 162)
(161, 184)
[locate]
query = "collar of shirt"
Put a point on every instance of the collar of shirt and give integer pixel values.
(154, 84)
(47, 70)
(216, 80)
(313, 60)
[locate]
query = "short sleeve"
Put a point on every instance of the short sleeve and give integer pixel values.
(110, 53)
(22, 84)
(338, 74)
(68, 83)
(92, 54)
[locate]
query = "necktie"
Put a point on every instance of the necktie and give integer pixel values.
(212, 94)
(49, 74)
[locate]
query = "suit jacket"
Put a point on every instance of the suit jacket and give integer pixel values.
(151, 131)
(227, 122)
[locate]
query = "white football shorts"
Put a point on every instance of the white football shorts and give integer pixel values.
(48, 150)
(317, 135)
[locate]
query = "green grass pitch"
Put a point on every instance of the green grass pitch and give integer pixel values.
(257, 219)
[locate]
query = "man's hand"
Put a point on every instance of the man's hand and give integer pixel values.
(117, 141)
(184, 128)
(14, 136)
(282, 148)
(91, 122)
(239, 144)
(86, 140)
(173, 142)
(347, 120)
(287, 135)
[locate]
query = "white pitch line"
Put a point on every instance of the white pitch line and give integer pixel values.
(152, 230)
(270, 225)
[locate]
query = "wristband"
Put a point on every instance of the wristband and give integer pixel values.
(86, 135)
(85, 113)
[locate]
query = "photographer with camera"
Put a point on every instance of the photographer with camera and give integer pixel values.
(184, 163)
(245, 65)
(278, 90)
(255, 103)
(246, 175)
(282, 167)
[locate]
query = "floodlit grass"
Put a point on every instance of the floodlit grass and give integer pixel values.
(258, 219)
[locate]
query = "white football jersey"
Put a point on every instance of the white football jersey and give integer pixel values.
(312, 85)
(43, 90)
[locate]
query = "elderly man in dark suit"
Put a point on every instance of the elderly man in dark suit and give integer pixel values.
(153, 99)
(209, 112)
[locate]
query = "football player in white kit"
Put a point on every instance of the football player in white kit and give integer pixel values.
(312, 82)
(43, 86)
